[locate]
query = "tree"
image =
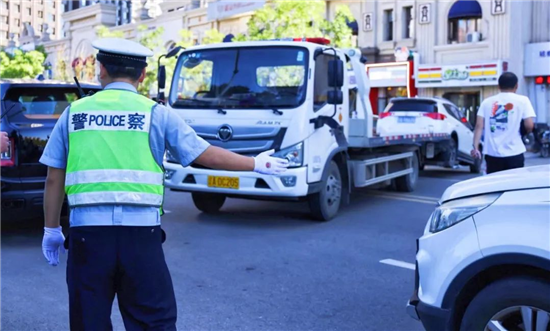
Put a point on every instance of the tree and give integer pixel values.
(338, 30)
(299, 19)
(104, 32)
(21, 64)
(212, 37)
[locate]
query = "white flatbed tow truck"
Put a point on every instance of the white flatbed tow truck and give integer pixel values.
(306, 100)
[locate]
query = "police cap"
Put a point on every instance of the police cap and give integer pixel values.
(122, 52)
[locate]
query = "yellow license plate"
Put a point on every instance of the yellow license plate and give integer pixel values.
(223, 182)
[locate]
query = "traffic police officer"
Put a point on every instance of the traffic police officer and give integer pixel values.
(106, 154)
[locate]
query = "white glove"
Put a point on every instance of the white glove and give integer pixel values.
(268, 165)
(52, 243)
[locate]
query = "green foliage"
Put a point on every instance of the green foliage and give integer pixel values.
(338, 30)
(299, 19)
(104, 32)
(151, 39)
(21, 64)
(287, 19)
(212, 37)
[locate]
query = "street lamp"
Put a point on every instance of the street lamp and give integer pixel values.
(161, 75)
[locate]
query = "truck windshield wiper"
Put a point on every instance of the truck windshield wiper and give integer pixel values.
(277, 111)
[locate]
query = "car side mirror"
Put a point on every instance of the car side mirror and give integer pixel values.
(335, 73)
(335, 97)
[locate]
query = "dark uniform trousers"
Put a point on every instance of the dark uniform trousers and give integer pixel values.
(124, 260)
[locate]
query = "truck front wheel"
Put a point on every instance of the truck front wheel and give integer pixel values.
(324, 205)
(207, 202)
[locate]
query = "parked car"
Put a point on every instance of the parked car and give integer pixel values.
(483, 262)
(422, 116)
(29, 111)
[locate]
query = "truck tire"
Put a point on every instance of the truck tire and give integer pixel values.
(208, 203)
(408, 183)
(324, 205)
(450, 155)
(507, 302)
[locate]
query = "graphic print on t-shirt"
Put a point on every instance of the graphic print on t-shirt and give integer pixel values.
(499, 116)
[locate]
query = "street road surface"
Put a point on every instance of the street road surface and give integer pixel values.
(258, 265)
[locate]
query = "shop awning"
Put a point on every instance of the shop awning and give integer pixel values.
(464, 9)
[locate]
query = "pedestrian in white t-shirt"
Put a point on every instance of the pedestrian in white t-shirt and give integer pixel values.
(499, 118)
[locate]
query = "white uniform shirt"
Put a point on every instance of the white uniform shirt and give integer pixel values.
(502, 115)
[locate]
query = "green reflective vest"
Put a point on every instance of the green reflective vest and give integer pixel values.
(110, 159)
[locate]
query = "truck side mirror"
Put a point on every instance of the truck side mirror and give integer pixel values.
(335, 97)
(335, 73)
(161, 77)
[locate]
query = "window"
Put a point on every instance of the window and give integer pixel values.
(17, 22)
(40, 103)
(40, 14)
(388, 25)
(320, 83)
(464, 22)
(29, 12)
(407, 22)
(51, 18)
(18, 8)
(242, 78)
(410, 105)
(53, 31)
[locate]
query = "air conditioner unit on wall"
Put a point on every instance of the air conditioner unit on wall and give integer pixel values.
(473, 37)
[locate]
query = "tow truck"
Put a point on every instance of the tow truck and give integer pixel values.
(306, 100)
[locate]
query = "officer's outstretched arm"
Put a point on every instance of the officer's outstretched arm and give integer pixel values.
(219, 158)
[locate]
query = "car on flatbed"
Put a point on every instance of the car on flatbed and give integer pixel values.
(29, 110)
(425, 116)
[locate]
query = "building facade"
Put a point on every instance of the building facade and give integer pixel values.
(458, 48)
(25, 22)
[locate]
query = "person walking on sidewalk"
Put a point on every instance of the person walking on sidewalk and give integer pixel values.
(105, 153)
(500, 119)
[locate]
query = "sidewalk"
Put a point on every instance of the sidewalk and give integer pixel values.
(534, 159)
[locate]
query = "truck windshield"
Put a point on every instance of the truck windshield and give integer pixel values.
(247, 77)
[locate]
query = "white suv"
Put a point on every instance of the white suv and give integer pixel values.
(418, 116)
(483, 262)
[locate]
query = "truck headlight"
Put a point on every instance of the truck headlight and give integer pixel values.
(455, 211)
(294, 155)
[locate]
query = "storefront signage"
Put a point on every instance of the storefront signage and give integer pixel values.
(476, 74)
(222, 9)
(537, 59)
(455, 74)
(390, 75)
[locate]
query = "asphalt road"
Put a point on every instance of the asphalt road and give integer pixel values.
(256, 266)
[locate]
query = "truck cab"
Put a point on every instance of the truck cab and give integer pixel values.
(304, 99)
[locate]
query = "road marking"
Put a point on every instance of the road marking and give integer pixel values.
(400, 264)
(167, 211)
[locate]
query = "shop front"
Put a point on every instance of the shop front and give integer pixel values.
(537, 76)
(390, 80)
(465, 85)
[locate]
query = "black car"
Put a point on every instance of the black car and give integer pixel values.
(30, 109)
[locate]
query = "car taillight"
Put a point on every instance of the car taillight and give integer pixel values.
(435, 116)
(384, 115)
(8, 158)
(464, 120)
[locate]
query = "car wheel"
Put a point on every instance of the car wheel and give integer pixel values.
(475, 167)
(518, 303)
(408, 183)
(324, 205)
(208, 202)
(450, 158)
